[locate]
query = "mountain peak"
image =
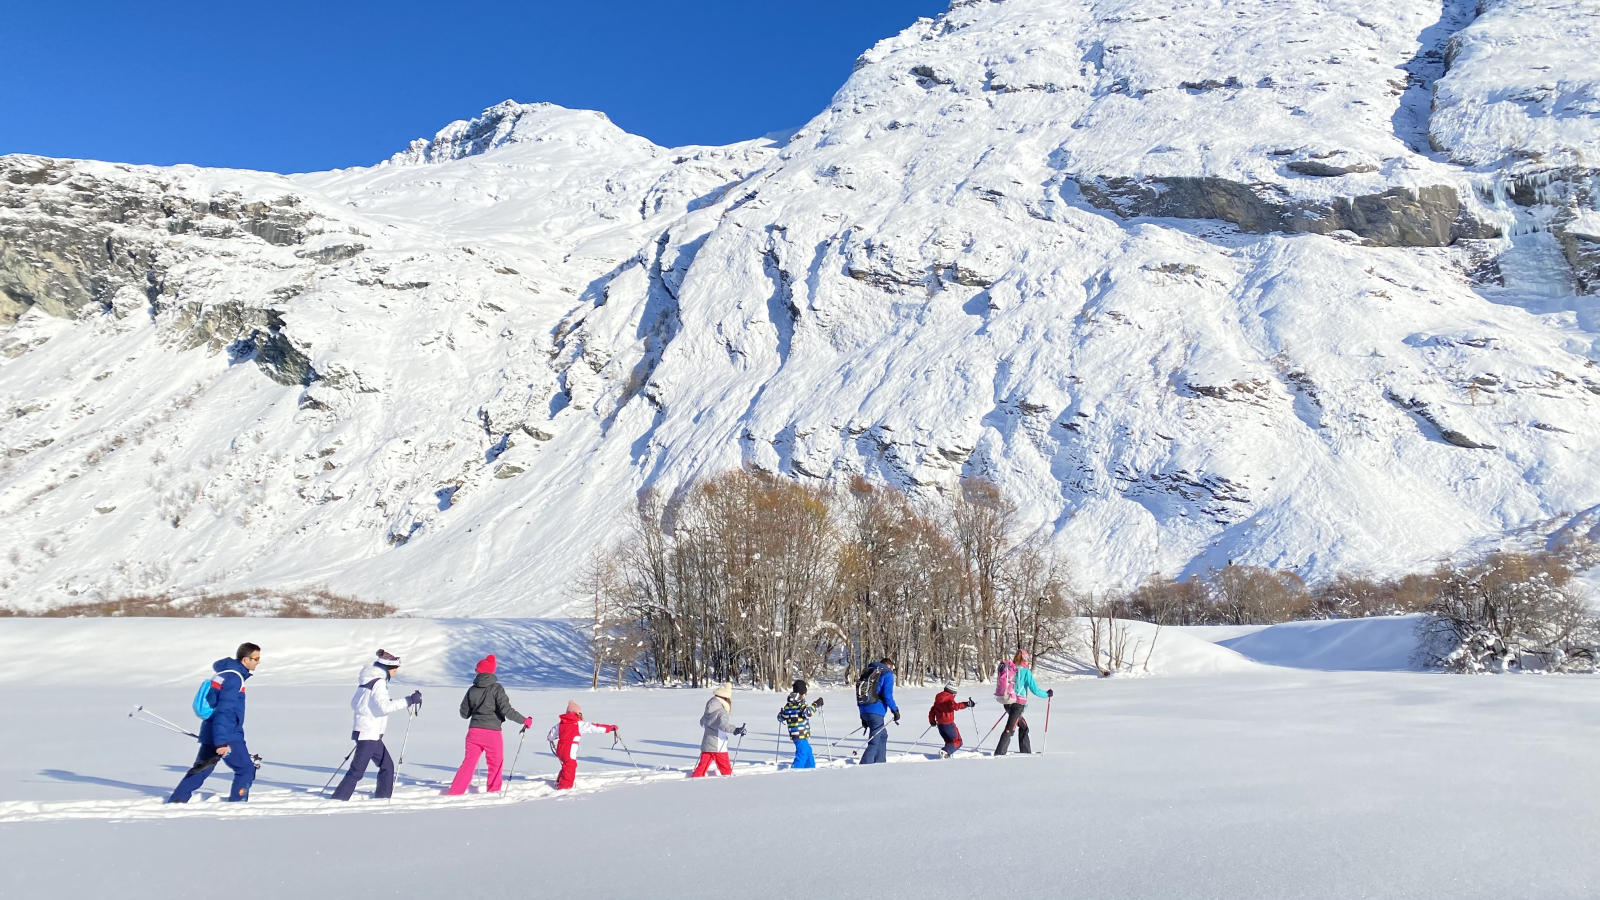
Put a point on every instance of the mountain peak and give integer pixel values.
(506, 123)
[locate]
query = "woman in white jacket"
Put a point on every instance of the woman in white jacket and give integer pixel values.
(372, 707)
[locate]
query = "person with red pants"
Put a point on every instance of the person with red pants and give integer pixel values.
(718, 723)
(564, 739)
(943, 716)
(488, 708)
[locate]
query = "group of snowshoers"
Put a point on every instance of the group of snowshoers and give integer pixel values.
(220, 703)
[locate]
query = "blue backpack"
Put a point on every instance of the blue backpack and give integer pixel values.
(202, 705)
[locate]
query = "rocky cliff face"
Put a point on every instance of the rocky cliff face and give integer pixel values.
(1295, 282)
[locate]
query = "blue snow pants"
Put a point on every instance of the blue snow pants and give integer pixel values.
(373, 752)
(803, 759)
(238, 759)
(877, 739)
(952, 738)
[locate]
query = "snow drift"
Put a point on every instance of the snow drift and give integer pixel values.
(1299, 283)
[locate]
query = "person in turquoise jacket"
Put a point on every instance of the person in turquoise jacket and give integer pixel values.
(1022, 685)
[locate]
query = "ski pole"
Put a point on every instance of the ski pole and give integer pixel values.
(777, 747)
(738, 746)
(411, 714)
(919, 739)
(1047, 702)
(991, 729)
(824, 717)
(845, 738)
(518, 755)
(616, 738)
(973, 710)
(159, 723)
(337, 768)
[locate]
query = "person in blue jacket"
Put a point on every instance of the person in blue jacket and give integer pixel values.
(222, 735)
(874, 700)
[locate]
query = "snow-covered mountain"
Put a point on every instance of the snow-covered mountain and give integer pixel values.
(1304, 283)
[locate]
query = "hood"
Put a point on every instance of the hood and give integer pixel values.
(797, 698)
(230, 665)
(717, 703)
(484, 679)
(371, 671)
(569, 718)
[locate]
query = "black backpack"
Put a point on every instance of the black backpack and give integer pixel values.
(867, 685)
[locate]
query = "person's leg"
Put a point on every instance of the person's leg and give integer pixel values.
(952, 739)
(1022, 734)
(385, 772)
(803, 757)
(196, 776)
(1013, 712)
(357, 771)
(723, 765)
(878, 742)
(569, 774)
(700, 768)
(495, 749)
(244, 771)
(469, 763)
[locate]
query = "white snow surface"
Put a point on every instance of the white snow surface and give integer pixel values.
(1381, 643)
(518, 324)
(1270, 781)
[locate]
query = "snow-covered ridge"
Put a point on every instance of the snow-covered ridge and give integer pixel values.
(1189, 282)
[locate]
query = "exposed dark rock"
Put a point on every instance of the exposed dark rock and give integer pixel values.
(1319, 169)
(1399, 217)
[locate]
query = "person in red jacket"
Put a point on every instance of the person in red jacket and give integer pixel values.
(943, 715)
(564, 739)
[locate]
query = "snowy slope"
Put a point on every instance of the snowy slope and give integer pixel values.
(1261, 281)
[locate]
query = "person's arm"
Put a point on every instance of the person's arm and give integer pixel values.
(886, 687)
(466, 704)
(1028, 684)
(225, 725)
(381, 704)
(553, 735)
(595, 728)
(502, 705)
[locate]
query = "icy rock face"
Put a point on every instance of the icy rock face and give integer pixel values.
(1189, 282)
(1520, 104)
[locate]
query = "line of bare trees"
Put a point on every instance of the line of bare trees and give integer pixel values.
(747, 577)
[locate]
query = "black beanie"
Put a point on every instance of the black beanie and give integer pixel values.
(800, 686)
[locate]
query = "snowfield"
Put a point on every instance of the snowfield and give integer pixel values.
(1299, 283)
(1260, 781)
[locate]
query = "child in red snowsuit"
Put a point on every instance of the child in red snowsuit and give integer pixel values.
(943, 715)
(564, 738)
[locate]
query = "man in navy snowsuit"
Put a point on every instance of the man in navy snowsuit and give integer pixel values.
(872, 713)
(222, 735)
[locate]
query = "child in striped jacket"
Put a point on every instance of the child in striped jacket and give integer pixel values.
(796, 715)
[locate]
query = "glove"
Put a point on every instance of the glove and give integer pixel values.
(739, 732)
(897, 717)
(611, 729)
(1050, 693)
(415, 699)
(970, 703)
(526, 724)
(817, 703)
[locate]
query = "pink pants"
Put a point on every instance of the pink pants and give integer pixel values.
(485, 741)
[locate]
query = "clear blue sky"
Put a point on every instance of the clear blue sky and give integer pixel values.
(294, 86)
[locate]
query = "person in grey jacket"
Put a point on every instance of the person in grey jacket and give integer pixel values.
(487, 707)
(718, 723)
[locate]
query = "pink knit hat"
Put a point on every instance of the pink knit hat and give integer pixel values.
(486, 664)
(572, 707)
